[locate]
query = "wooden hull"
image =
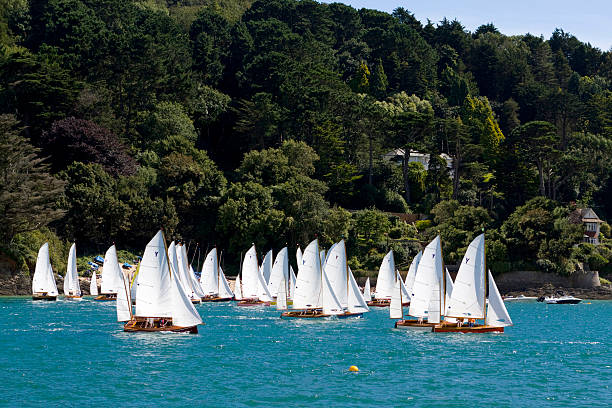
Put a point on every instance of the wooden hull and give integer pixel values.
(134, 326)
(106, 297)
(383, 303)
(251, 302)
(348, 315)
(414, 325)
(73, 297)
(304, 314)
(216, 299)
(42, 296)
(196, 301)
(467, 329)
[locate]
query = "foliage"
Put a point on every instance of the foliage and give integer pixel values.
(237, 121)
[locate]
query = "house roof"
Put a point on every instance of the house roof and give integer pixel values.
(584, 215)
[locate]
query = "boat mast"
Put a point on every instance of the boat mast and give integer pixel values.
(218, 274)
(484, 289)
(443, 286)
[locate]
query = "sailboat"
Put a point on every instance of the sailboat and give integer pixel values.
(213, 282)
(340, 286)
(161, 302)
(43, 282)
(72, 287)
(112, 276)
(427, 294)
(468, 298)
(93, 284)
(254, 287)
(307, 298)
(385, 282)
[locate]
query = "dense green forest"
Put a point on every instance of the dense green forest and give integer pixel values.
(230, 121)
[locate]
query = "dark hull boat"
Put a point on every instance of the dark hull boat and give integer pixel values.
(156, 325)
(106, 297)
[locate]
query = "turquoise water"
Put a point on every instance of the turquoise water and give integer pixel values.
(74, 353)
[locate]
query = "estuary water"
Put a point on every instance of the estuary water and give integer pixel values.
(74, 353)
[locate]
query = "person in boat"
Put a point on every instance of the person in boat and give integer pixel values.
(460, 322)
(420, 321)
(471, 322)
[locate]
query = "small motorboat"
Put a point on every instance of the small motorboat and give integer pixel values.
(562, 300)
(520, 298)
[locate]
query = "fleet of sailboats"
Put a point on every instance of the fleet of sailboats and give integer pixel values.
(162, 293)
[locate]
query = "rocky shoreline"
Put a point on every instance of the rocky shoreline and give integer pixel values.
(603, 292)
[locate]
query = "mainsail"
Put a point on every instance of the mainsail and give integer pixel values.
(308, 285)
(112, 276)
(155, 286)
(43, 280)
(280, 270)
(386, 277)
(93, 285)
(72, 286)
(426, 289)
(468, 298)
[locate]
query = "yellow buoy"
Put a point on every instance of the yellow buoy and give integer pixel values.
(353, 369)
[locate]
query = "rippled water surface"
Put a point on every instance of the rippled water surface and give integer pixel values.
(74, 353)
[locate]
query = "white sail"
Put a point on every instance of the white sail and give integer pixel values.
(331, 304)
(154, 293)
(238, 289)
(210, 270)
(112, 276)
(298, 257)
(72, 286)
(280, 270)
(386, 277)
(124, 300)
(183, 272)
(497, 314)
(183, 312)
(281, 294)
(366, 291)
(395, 309)
(405, 295)
(447, 294)
(322, 257)
(224, 288)
(356, 302)
(195, 283)
(336, 270)
(468, 298)
(43, 280)
(93, 285)
(412, 272)
(266, 266)
(250, 274)
(308, 285)
(427, 283)
(292, 281)
(262, 291)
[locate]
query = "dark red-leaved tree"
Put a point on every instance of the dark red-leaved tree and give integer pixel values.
(73, 139)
